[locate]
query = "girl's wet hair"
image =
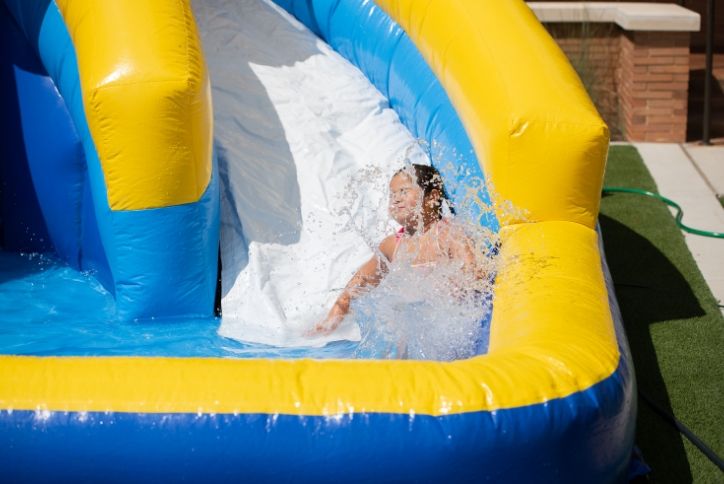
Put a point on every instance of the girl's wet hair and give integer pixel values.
(428, 179)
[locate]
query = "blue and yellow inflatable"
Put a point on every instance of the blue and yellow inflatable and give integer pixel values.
(127, 186)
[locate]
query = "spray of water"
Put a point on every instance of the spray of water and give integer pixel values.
(437, 310)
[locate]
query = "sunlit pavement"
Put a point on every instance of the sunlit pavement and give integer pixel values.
(693, 176)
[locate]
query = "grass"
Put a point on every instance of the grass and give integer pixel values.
(673, 323)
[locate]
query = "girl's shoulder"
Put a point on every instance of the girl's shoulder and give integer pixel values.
(388, 245)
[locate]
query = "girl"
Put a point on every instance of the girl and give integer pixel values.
(426, 239)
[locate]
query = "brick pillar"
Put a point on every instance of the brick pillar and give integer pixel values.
(593, 50)
(653, 80)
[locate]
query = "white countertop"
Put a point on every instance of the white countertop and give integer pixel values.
(639, 16)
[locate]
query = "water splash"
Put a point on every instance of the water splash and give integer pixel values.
(438, 312)
(432, 311)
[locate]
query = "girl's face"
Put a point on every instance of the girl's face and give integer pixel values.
(406, 197)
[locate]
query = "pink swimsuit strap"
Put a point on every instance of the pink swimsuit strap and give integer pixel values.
(400, 233)
(398, 238)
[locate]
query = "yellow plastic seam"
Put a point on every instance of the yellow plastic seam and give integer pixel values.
(534, 129)
(147, 98)
(552, 336)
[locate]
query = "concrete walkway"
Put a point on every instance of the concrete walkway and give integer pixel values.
(709, 160)
(693, 176)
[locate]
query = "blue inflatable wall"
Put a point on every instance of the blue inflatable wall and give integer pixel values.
(158, 262)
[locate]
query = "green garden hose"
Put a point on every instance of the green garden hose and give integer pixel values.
(670, 203)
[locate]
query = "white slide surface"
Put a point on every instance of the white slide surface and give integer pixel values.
(296, 127)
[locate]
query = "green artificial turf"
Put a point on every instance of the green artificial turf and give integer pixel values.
(673, 323)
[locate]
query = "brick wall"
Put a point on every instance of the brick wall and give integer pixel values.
(653, 82)
(698, 39)
(593, 50)
(638, 80)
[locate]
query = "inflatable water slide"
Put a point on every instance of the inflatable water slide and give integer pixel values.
(123, 122)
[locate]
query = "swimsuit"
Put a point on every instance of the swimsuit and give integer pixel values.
(401, 233)
(375, 342)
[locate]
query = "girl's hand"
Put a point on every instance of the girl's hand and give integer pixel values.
(325, 327)
(369, 275)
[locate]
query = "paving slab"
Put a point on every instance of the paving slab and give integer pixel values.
(710, 162)
(678, 178)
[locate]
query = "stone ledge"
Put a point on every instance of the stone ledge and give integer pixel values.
(635, 16)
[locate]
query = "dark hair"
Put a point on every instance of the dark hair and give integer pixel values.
(428, 179)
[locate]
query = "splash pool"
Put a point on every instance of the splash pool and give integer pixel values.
(42, 316)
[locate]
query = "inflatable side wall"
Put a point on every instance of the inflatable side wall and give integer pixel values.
(118, 178)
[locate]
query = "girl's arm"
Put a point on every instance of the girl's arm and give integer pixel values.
(367, 276)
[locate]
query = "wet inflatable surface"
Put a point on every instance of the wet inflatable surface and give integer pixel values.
(127, 188)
